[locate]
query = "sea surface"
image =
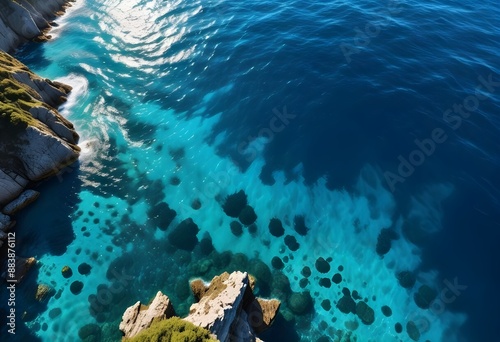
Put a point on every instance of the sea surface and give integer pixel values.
(370, 129)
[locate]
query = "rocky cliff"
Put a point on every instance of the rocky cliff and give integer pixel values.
(35, 140)
(226, 309)
(23, 20)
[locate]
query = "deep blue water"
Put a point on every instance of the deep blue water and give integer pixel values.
(310, 108)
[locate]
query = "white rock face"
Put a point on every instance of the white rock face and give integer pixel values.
(218, 313)
(135, 320)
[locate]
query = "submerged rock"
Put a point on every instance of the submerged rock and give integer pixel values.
(90, 332)
(346, 304)
(337, 278)
(234, 204)
(23, 265)
(162, 215)
(387, 311)
(406, 279)
(291, 243)
(322, 265)
(300, 303)
(67, 272)
(247, 216)
(236, 228)
(412, 330)
(299, 225)
(76, 287)
(84, 268)
(184, 235)
(425, 296)
(277, 263)
(276, 227)
(384, 240)
(365, 313)
(43, 292)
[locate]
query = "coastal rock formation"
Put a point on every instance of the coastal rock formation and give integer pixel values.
(137, 318)
(36, 141)
(23, 20)
(219, 307)
(226, 307)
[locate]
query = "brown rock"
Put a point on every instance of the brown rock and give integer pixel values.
(43, 292)
(23, 266)
(198, 288)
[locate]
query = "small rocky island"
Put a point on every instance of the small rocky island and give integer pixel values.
(226, 310)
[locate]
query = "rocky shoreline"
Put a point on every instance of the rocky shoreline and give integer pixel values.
(36, 141)
(24, 20)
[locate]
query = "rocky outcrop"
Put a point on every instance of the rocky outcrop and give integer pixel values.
(23, 20)
(226, 307)
(220, 305)
(36, 142)
(137, 318)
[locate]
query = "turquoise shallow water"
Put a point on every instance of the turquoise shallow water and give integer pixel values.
(181, 104)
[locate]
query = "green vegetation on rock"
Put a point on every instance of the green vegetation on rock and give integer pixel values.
(173, 330)
(16, 99)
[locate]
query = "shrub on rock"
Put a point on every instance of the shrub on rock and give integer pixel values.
(173, 330)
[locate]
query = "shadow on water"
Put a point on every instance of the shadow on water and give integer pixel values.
(45, 227)
(33, 54)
